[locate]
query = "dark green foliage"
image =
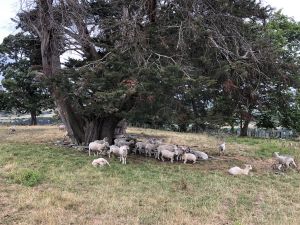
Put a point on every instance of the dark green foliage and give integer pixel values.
(24, 92)
(200, 63)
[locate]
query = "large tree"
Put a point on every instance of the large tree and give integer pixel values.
(135, 50)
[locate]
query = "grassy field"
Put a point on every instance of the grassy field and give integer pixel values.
(41, 183)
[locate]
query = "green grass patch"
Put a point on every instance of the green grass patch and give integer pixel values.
(27, 177)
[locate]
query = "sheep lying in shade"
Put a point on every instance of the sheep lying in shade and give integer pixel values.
(100, 162)
(98, 148)
(199, 154)
(238, 171)
(285, 160)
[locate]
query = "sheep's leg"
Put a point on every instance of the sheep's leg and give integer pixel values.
(162, 158)
(172, 160)
(194, 162)
(89, 152)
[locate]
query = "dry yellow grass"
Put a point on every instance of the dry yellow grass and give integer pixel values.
(144, 191)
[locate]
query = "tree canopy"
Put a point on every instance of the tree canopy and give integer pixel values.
(206, 63)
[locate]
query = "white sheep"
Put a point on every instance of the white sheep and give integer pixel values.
(238, 171)
(123, 153)
(101, 141)
(222, 148)
(285, 160)
(114, 150)
(122, 141)
(140, 147)
(200, 155)
(181, 150)
(12, 129)
(189, 157)
(61, 127)
(171, 148)
(98, 148)
(168, 154)
(100, 162)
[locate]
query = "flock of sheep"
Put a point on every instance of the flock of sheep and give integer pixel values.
(161, 151)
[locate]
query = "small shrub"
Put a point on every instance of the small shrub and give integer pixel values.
(27, 178)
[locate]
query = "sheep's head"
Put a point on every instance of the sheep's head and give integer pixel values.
(249, 167)
(276, 154)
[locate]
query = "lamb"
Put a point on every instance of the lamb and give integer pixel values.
(168, 154)
(12, 129)
(123, 153)
(100, 162)
(122, 141)
(96, 147)
(61, 127)
(114, 149)
(101, 141)
(140, 147)
(222, 148)
(200, 155)
(285, 160)
(238, 171)
(189, 157)
(181, 150)
(171, 148)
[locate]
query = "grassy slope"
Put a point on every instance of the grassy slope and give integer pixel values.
(68, 190)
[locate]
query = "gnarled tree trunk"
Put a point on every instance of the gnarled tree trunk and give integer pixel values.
(33, 119)
(79, 129)
(244, 128)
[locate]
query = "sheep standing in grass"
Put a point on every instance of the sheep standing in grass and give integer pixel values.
(222, 148)
(238, 171)
(285, 160)
(12, 129)
(140, 147)
(61, 127)
(113, 149)
(181, 150)
(189, 157)
(168, 154)
(100, 162)
(123, 153)
(98, 148)
(171, 148)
